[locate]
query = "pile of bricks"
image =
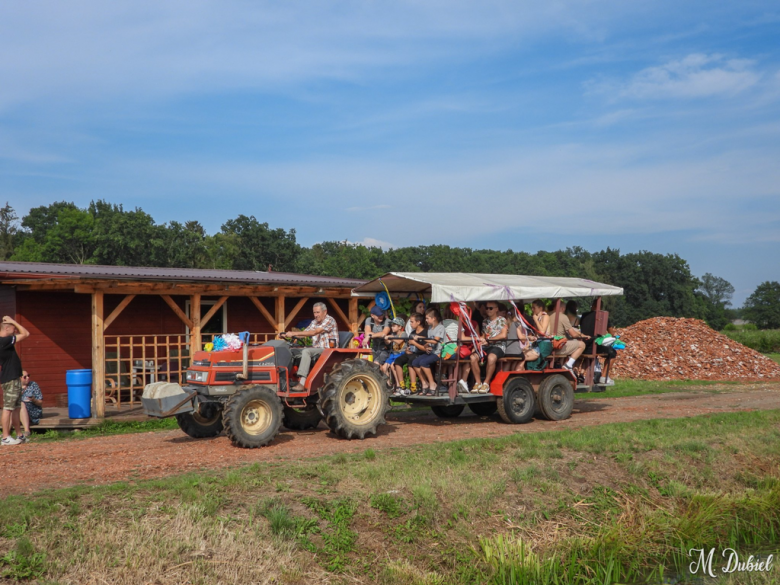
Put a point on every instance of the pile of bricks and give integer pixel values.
(666, 348)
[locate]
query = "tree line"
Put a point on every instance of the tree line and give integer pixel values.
(106, 233)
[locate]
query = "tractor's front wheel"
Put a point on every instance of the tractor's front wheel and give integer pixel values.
(203, 423)
(253, 416)
(300, 419)
(354, 400)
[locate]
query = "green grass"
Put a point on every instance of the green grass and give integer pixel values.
(607, 504)
(765, 341)
(774, 356)
(640, 387)
(106, 428)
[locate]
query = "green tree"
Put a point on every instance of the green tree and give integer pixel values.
(260, 246)
(653, 284)
(41, 219)
(763, 306)
(9, 227)
(71, 239)
(718, 291)
(127, 238)
(716, 294)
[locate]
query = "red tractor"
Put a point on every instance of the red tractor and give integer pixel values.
(248, 393)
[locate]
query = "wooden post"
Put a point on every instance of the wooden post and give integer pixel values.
(280, 314)
(98, 356)
(337, 310)
(353, 315)
(196, 342)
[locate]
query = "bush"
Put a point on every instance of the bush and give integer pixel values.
(730, 327)
(765, 341)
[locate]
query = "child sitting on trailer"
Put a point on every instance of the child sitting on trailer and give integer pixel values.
(396, 346)
(413, 349)
(431, 354)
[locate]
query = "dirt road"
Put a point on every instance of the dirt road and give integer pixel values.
(149, 455)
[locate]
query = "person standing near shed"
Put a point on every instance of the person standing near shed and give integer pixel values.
(11, 333)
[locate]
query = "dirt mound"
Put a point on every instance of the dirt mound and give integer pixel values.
(666, 348)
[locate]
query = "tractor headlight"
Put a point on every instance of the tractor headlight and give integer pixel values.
(197, 376)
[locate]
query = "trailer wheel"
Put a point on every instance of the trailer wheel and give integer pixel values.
(354, 400)
(518, 404)
(449, 411)
(483, 408)
(252, 417)
(556, 398)
(300, 419)
(203, 423)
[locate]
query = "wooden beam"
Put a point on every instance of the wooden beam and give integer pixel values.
(371, 305)
(212, 311)
(98, 356)
(298, 306)
(353, 315)
(116, 312)
(196, 342)
(88, 290)
(338, 310)
(263, 311)
(279, 314)
(179, 313)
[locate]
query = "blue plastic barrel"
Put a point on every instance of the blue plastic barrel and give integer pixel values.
(79, 393)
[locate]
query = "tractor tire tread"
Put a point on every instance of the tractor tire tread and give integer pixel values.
(328, 404)
(232, 417)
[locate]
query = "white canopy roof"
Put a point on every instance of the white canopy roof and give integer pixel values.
(444, 287)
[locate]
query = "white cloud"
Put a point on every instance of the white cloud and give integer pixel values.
(374, 243)
(694, 76)
(88, 51)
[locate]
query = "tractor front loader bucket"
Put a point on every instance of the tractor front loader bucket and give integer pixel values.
(163, 399)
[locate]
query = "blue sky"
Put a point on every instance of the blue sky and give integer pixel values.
(492, 124)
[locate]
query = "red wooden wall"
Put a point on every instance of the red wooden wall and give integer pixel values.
(60, 338)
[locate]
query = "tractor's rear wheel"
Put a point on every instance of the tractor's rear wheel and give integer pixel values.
(483, 408)
(252, 417)
(203, 423)
(300, 419)
(556, 398)
(518, 404)
(354, 400)
(449, 411)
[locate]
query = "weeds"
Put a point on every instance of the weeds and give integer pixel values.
(23, 562)
(606, 503)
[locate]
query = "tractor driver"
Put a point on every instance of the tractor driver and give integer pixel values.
(324, 333)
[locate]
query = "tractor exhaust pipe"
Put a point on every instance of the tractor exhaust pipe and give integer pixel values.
(244, 375)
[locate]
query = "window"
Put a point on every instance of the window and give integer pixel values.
(217, 325)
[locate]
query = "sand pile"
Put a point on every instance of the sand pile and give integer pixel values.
(666, 348)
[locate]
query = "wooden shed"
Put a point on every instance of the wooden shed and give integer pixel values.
(133, 325)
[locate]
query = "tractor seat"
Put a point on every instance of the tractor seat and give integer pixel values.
(282, 354)
(344, 338)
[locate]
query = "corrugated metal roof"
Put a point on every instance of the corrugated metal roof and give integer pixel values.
(19, 270)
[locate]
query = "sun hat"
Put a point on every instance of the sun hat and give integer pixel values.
(398, 321)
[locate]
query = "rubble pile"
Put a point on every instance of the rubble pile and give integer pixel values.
(666, 348)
